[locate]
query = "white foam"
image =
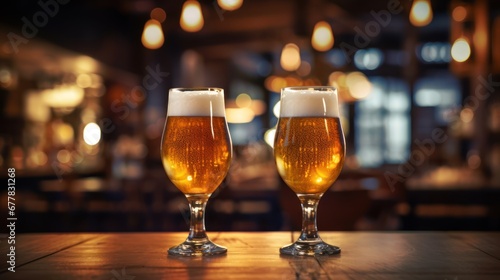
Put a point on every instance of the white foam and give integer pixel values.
(196, 103)
(308, 102)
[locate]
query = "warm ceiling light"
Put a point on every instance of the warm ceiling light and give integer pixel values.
(459, 13)
(421, 13)
(290, 57)
(91, 134)
(322, 38)
(304, 69)
(84, 80)
(460, 51)
(152, 36)
(269, 136)
(239, 115)
(158, 14)
(243, 100)
(274, 83)
(359, 86)
(276, 109)
(258, 107)
(86, 64)
(466, 115)
(65, 96)
(191, 17)
(230, 5)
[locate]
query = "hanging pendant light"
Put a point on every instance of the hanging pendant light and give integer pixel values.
(159, 14)
(152, 36)
(290, 57)
(191, 17)
(322, 37)
(230, 5)
(421, 13)
(460, 50)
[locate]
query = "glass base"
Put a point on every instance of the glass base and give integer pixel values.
(188, 249)
(309, 249)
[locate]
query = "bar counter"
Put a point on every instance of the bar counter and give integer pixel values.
(251, 255)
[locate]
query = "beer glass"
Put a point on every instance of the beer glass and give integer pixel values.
(196, 153)
(309, 151)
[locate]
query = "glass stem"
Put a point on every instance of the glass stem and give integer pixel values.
(197, 204)
(309, 204)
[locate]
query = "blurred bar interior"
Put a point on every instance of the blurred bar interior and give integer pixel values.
(83, 91)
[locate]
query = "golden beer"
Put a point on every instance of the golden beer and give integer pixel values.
(309, 152)
(196, 152)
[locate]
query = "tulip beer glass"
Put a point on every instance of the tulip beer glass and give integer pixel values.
(196, 154)
(309, 151)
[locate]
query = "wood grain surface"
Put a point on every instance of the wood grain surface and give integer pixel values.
(255, 255)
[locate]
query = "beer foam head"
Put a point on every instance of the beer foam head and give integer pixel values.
(309, 102)
(196, 102)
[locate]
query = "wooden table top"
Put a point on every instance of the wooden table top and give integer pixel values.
(251, 255)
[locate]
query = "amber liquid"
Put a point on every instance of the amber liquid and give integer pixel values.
(196, 153)
(309, 152)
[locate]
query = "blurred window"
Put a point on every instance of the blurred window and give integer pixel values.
(440, 93)
(382, 123)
